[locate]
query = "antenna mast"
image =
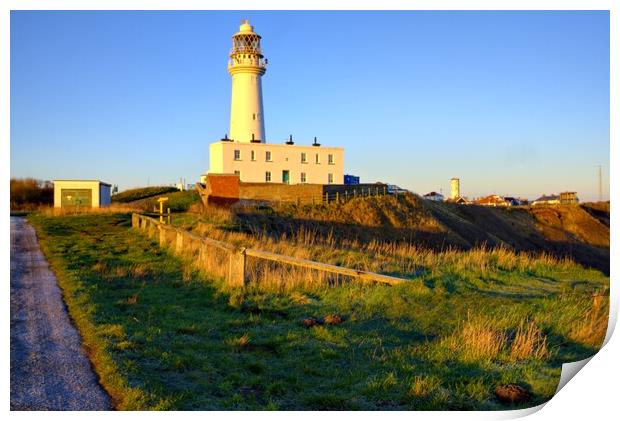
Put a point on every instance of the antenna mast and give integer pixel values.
(600, 183)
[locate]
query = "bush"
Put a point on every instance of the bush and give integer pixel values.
(29, 194)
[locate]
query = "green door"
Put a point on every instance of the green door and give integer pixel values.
(286, 178)
(76, 198)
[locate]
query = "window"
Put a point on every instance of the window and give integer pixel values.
(268, 156)
(237, 155)
(330, 159)
(303, 177)
(238, 173)
(253, 116)
(330, 178)
(304, 159)
(268, 177)
(253, 156)
(317, 158)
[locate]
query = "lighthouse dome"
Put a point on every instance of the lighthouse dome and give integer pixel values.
(245, 26)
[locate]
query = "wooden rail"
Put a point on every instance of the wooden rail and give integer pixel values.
(310, 264)
(237, 274)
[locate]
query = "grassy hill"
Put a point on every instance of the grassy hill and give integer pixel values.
(492, 300)
(132, 195)
(579, 232)
(144, 198)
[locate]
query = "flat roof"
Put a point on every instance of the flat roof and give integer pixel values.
(87, 181)
(277, 145)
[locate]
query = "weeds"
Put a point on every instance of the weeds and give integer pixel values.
(478, 338)
(592, 329)
(529, 343)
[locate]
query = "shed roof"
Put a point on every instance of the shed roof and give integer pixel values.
(87, 181)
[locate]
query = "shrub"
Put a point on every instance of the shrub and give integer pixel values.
(29, 194)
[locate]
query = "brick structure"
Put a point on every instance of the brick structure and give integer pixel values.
(226, 189)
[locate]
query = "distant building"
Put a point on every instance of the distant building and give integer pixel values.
(460, 200)
(351, 179)
(455, 188)
(394, 189)
(437, 197)
(568, 198)
(547, 200)
(515, 201)
(75, 194)
(493, 200)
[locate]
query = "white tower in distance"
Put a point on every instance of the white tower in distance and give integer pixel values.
(455, 188)
(246, 66)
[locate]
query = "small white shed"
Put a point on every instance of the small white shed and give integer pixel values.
(81, 194)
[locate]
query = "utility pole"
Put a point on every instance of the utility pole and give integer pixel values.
(600, 183)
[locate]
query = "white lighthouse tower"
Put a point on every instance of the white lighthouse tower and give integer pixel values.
(245, 156)
(247, 66)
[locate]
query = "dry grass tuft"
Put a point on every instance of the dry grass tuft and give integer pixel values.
(529, 342)
(133, 299)
(478, 338)
(239, 344)
(139, 270)
(422, 386)
(113, 208)
(593, 328)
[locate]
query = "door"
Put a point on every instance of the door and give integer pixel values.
(76, 198)
(286, 178)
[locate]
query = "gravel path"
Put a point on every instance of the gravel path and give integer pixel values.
(49, 369)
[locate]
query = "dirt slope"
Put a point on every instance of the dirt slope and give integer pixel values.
(580, 232)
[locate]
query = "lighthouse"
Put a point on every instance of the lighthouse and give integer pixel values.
(244, 154)
(246, 66)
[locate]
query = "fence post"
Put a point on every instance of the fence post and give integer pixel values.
(179, 242)
(202, 254)
(337, 198)
(326, 197)
(134, 220)
(151, 229)
(162, 236)
(236, 268)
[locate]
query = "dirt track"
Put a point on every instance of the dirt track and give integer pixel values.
(49, 369)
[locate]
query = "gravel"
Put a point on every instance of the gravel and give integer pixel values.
(49, 368)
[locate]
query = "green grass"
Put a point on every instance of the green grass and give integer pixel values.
(141, 193)
(178, 201)
(162, 335)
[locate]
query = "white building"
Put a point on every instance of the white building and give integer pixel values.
(455, 188)
(437, 197)
(247, 152)
(81, 194)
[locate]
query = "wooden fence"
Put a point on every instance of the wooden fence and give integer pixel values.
(226, 260)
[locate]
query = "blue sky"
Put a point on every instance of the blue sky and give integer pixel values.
(513, 103)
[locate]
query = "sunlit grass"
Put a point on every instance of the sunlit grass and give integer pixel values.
(163, 332)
